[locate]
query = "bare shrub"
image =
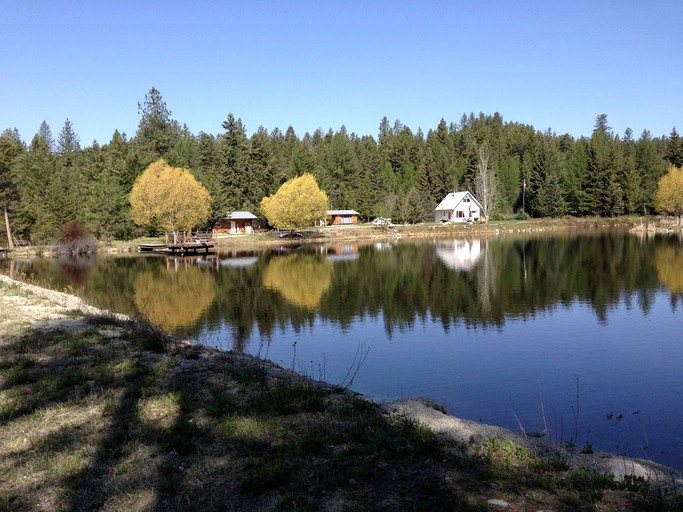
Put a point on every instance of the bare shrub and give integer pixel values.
(75, 239)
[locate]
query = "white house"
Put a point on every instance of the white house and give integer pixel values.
(458, 207)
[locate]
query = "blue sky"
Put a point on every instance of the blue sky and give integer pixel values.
(554, 64)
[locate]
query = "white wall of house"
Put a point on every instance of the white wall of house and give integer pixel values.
(458, 207)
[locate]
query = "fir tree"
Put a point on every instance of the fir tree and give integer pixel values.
(231, 162)
(157, 131)
(674, 149)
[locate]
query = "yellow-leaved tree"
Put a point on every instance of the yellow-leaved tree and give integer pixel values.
(298, 202)
(669, 198)
(169, 198)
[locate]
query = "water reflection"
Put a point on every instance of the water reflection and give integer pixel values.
(342, 252)
(477, 283)
(302, 279)
(76, 270)
(174, 297)
(669, 265)
(461, 254)
(236, 258)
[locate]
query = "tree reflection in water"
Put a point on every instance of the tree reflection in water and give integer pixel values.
(477, 283)
(174, 297)
(76, 270)
(669, 265)
(302, 279)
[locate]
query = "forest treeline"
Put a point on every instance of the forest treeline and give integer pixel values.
(399, 173)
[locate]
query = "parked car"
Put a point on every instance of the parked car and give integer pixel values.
(381, 221)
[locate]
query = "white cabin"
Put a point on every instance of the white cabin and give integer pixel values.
(458, 207)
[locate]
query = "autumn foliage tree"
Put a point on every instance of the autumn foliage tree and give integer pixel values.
(298, 202)
(169, 198)
(669, 198)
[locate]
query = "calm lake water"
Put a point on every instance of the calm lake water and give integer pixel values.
(579, 336)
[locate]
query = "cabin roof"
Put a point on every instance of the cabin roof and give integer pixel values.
(452, 200)
(240, 216)
(341, 212)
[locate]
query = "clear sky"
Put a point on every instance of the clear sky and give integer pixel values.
(309, 64)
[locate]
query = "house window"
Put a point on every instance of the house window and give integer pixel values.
(460, 214)
(466, 200)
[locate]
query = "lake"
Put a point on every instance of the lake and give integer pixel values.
(578, 337)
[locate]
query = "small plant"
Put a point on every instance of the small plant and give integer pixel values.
(504, 453)
(418, 434)
(587, 448)
(591, 484)
(637, 484)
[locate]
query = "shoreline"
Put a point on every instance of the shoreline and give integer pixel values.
(369, 233)
(421, 411)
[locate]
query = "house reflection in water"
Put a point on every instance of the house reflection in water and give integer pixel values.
(237, 258)
(460, 254)
(342, 252)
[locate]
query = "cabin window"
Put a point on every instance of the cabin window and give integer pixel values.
(460, 214)
(466, 200)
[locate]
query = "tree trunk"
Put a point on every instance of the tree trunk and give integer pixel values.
(10, 241)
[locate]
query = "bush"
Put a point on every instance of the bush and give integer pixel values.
(74, 238)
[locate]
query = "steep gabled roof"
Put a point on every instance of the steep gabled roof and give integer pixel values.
(452, 200)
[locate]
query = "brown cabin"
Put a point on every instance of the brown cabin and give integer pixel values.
(234, 223)
(342, 217)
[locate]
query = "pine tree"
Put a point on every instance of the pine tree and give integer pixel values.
(341, 173)
(33, 171)
(11, 148)
(206, 166)
(300, 163)
(601, 125)
(185, 151)
(260, 170)
(157, 131)
(231, 166)
(577, 178)
(631, 178)
(601, 187)
(45, 133)
(546, 187)
(674, 149)
(68, 143)
(651, 168)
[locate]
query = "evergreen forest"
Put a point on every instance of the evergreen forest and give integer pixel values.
(398, 173)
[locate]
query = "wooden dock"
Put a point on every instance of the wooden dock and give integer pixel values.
(180, 249)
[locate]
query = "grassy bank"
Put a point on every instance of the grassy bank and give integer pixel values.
(98, 412)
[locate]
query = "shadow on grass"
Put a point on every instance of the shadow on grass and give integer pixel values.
(131, 422)
(115, 417)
